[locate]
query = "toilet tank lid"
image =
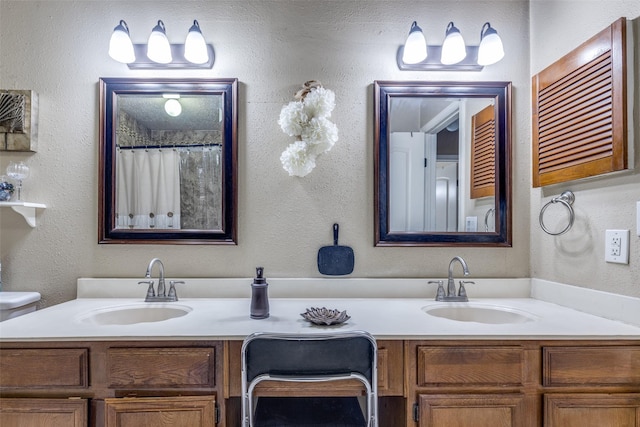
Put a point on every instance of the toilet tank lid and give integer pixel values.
(9, 300)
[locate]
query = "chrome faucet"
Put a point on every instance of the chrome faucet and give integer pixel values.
(161, 295)
(451, 286)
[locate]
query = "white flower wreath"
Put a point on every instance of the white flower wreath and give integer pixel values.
(307, 119)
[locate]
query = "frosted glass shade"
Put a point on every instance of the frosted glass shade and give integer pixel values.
(173, 107)
(415, 48)
(490, 50)
(195, 47)
(158, 47)
(120, 45)
(453, 47)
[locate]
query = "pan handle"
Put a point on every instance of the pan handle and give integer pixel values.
(336, 229)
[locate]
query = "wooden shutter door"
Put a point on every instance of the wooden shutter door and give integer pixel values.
(580, 111)
(483, 153)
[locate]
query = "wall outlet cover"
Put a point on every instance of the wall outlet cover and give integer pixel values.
(471, 224)
(616, 247)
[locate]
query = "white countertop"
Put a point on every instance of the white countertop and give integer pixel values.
(219, 309)
(228, 318)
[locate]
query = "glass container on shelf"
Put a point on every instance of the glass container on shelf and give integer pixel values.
(19, 172)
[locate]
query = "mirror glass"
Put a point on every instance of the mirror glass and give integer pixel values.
(442, 163)
(168, 161)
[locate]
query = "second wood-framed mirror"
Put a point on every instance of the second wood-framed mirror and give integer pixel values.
(168, 161)
(442, 163)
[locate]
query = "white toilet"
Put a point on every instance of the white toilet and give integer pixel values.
(14, 304)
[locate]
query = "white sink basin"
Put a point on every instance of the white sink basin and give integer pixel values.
(480, 313)
(134, 313)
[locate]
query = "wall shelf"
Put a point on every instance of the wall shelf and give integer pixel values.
(26, 209)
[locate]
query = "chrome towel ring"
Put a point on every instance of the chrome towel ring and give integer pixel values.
(566, 198)
(486, 218)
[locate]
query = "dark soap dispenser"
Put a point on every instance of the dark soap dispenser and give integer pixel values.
(259, 296)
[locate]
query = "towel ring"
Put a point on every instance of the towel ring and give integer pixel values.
(566, 198)
(486, 218)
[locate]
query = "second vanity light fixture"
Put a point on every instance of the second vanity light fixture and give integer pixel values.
(158, 53)
(453, 55)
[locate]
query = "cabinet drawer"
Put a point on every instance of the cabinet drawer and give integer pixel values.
(612, 365)
(159, 367)
(44, 368)
(477, 410)
(588, 409)
(43, 412)
(184, 411)
(469, 365)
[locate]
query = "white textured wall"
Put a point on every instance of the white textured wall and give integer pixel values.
(59, 49)
(577, 257)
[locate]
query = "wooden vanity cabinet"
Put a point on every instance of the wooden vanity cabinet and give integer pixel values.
(484, 383)
(119, 384)
(591, 385)
(422, 383)
(577, 383)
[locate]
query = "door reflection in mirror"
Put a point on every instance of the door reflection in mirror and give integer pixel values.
(432, 162)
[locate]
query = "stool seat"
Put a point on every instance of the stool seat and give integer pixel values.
(309, 412)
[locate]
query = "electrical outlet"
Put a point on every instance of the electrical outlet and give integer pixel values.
(616, 247)
(471, 224)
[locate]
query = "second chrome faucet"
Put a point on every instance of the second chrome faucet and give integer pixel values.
(161, 295)
(451, 295)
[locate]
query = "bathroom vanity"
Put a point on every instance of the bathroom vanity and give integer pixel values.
(541, 364)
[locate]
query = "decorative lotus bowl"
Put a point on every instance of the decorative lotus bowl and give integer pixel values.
(325, 316)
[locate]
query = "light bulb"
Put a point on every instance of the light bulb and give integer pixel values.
(415, 48)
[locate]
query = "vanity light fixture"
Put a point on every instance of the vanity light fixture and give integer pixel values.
(158, 53)
(453, 54)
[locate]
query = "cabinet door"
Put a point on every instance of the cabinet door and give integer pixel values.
(43, 412)
(463, 410)
(592, 410)
(184, 411)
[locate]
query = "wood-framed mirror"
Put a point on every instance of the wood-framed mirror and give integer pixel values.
(442, 163)
(168, 161)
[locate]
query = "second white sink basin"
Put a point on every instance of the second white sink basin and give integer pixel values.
(480, 313)
(134, 313)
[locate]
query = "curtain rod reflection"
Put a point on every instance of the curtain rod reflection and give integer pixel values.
(138, 147)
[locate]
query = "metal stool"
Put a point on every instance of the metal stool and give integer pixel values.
(309, 358)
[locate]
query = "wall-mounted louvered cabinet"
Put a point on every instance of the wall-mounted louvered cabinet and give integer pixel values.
(580, 111)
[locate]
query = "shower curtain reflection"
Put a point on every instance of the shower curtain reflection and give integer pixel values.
(168, 188)
(201, 188)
